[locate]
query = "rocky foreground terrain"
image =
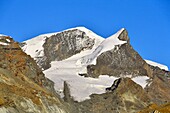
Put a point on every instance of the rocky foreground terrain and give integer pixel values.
(23, 86)
(77, 71)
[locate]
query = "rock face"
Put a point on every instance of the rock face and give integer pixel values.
(13, 58)
(65, 44)
(23, 86)
(159, 89)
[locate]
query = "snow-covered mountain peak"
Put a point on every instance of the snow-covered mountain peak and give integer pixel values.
(89, 32)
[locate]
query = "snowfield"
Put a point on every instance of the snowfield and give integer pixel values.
(80, 87)
(141, 80)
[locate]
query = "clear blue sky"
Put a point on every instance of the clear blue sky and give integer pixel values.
(147, 21)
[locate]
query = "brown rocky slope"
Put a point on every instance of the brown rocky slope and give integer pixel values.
(23, 86)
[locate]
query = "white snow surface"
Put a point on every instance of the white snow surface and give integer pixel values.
(2, 43)
(8, 40)
(141, 80)
(34, 46)
(161, 66)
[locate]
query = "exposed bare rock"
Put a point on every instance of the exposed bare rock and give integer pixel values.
(67, 43)
(154, 108)
(159, 89)
(23, 86)
(124, 36)
(67, 96)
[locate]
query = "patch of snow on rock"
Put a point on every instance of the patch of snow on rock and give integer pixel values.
(141, 80)
(161, 66)
(2, 43)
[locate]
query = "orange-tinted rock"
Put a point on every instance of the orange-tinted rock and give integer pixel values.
(23, 86)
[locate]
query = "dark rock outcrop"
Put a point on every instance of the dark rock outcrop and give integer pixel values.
(66, 91)
(114, 86)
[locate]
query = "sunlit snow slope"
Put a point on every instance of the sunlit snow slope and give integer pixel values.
(157, 64)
